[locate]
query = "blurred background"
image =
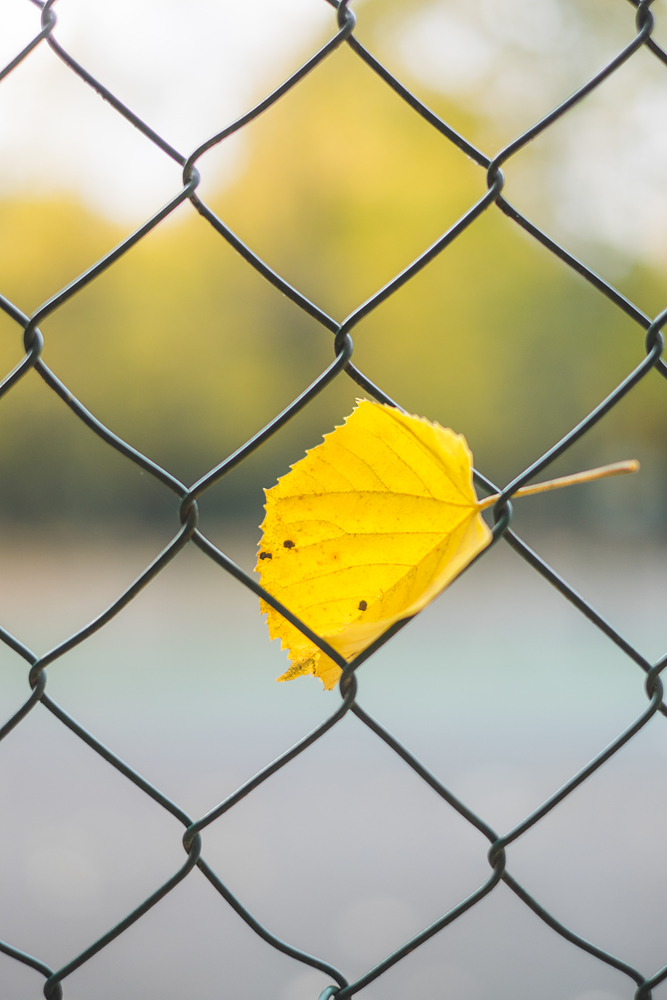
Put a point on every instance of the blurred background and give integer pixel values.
(185, 352)
(338, 187)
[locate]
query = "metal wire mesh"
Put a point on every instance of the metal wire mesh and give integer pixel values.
(188, 532)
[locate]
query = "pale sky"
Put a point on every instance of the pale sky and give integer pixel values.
(187, 67)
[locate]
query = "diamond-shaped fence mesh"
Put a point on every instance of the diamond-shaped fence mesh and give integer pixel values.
(188, 533)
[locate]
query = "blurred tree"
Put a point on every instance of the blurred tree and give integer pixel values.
(183, 350)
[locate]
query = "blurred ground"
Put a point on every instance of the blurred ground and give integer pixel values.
(500, 687)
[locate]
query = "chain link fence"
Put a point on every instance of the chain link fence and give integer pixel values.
(189, 534)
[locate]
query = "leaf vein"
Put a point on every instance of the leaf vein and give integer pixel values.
(403, 461)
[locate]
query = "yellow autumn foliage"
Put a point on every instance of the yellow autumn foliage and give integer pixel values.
(370, 527)
(366, 530)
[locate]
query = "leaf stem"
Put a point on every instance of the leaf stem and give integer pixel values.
(616, 469)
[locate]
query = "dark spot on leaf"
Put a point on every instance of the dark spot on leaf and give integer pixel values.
(362, 605)
(288, 544)
(265, 555)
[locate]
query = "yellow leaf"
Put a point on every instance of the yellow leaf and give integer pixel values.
(366, 530)
(369, 527)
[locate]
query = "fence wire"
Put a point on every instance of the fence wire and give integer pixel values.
(189, 533)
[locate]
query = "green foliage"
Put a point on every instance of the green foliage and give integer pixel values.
(185, 351)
